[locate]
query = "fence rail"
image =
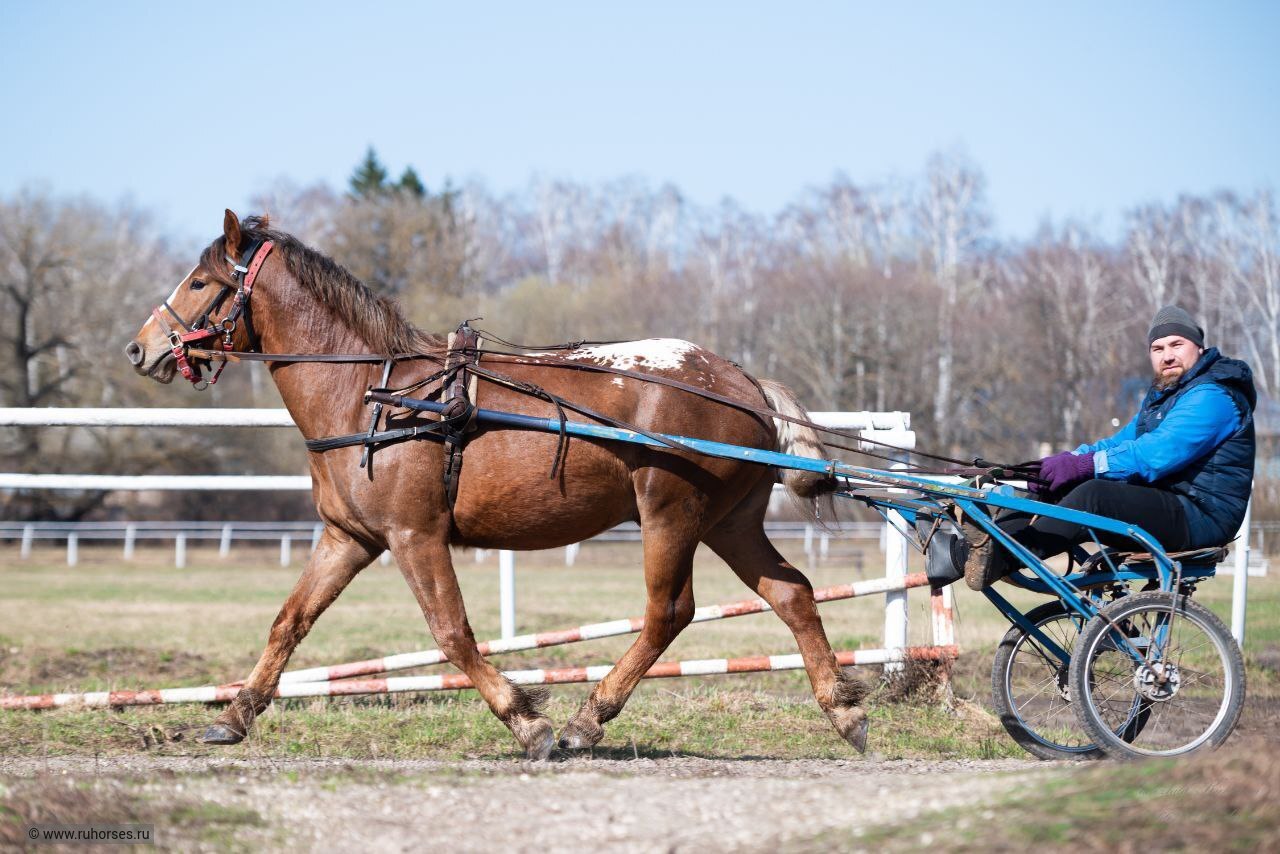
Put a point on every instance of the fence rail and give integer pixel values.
(817, 541)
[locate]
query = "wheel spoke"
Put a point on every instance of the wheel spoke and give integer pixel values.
(1201, 703)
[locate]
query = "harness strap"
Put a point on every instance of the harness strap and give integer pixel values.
(434, 430)
(366, 459)
(462, 354)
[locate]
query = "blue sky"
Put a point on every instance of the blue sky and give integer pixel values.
(1080, 109)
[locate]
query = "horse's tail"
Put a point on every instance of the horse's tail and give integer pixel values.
(797, 439)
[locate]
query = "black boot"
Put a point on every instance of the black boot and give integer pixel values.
(945, 558)
(951, 557)
(985, 563)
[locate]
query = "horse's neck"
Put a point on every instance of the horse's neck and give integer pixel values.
(323, 398)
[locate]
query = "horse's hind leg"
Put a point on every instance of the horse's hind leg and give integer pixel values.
(668, 571)
(748, 551)
(428, 568)
(331, 567)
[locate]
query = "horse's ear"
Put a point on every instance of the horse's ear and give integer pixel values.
(231, 230)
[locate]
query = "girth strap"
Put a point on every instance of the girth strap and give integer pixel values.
(458, 395)
(434, 430)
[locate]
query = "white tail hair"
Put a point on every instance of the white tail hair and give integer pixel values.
(796, 439)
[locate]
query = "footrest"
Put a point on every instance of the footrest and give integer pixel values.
(1211, 555)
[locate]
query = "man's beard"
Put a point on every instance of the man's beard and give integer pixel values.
(1167, 381)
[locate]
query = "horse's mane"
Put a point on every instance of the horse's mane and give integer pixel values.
(378, 320)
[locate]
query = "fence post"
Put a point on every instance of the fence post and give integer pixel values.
(385, 560)
(1240, 584)
(73, 549)
(180, 550)
(27, 533)
(224, 542)
(130, 540)
(895, 567)
(571, 554)
(944, 629)
(286, 546)
(507, 592)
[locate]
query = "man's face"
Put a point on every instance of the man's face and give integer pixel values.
(1171, 357)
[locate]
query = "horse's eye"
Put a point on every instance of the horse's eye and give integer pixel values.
(196, 284)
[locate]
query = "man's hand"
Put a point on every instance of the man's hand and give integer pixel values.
(1063, 471)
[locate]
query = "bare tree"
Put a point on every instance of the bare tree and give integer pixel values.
(1154, 247)
(952, 219)
(1255, 271)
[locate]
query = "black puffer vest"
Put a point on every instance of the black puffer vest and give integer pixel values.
(1215, 488)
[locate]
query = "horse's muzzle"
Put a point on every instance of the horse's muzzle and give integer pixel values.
(134, 353)
(161, 369)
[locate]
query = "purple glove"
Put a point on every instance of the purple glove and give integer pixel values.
(1064, 470)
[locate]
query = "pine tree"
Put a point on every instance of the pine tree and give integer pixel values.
(411, 184)
(370, 178)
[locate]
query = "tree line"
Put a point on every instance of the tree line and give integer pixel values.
(888, 295)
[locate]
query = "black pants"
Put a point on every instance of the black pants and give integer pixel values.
(1156, 511)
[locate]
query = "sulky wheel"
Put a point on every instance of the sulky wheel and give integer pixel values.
(1182, 666)
(1030, 691)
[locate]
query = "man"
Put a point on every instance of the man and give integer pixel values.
(1181, 470)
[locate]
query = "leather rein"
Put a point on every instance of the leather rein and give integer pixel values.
(973, 467)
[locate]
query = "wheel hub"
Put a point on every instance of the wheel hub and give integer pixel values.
(1157, 682)
(1064, 686)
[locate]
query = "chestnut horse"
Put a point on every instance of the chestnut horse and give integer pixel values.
(303, 302)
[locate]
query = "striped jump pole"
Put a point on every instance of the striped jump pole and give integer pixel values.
(592, 631)
(457, 681)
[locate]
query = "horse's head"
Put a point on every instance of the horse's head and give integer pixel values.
(208, 310)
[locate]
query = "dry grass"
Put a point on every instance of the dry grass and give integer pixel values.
(179, 823)
(110, 625)
(1223, 801)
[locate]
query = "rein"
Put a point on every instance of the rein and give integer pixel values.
(965, 467)
(977, 463)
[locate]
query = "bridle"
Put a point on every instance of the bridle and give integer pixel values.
(245, 273)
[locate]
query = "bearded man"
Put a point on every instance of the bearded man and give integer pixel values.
(1181, 469)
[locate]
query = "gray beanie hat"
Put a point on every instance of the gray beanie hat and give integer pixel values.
(1172, 320)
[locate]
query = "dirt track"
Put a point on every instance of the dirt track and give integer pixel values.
(643, 805)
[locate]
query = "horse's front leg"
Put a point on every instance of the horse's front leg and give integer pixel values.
(428, 568)
(332, 565)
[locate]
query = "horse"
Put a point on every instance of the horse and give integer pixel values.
(292, 299)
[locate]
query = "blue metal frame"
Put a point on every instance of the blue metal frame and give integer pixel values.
(923, 498)
(1019, 619)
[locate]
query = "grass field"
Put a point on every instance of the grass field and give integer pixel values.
(107, 624)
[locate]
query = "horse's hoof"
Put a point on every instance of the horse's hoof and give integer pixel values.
(540, 740)
(858, 735)
(219, 734)
(852, 723)
(541, 749)
(579, 736)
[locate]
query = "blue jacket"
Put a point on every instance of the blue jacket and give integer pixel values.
(1195, 439)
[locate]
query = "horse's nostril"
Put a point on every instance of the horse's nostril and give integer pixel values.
(134, 351)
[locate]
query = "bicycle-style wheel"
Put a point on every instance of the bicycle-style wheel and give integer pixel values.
(1029, 689)
(1171, 655)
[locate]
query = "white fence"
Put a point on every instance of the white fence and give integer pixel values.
(893, 428)
(817, 541)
